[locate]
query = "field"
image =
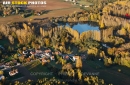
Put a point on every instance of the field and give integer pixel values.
(56, 7)
(39, 71)
(85, 3)
(109, 74)
(52, 5)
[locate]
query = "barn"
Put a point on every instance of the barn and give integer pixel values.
(127, 16)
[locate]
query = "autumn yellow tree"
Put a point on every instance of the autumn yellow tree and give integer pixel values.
(25, 26)
(78, 62)
(101, 24)
(47, 41)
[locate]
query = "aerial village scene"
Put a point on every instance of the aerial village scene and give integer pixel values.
(65, 42)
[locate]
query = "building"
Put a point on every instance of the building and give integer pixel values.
(13, 72)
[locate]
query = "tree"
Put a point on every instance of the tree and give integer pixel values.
(11, 39)
(78, 62)
(109, 61)
(17, 10)
(102, 24)
(122, 31)
(47, 42)
(111, 51)
(106, 62)
(61, 48)
(14, 34)
(15, 56)
(79, 74)
(25, 26)
(1, 72)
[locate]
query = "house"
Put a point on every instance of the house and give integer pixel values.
(71, 57)
(2, 66)
(52, 58)
(32, 53)
(86, 6)
(13, 12)
(43, 55)
(105, 45)
(19, 55)
(70, 0)
(47, 54)
(65, 56)
(127, 16)
(2, 77)
(25, 52)
(57, 52)
(75, 57)
(73, 0)
(47, 51)
(31, 50)
(38, 51)
(80, 5)
(44, 60)
(13, 72)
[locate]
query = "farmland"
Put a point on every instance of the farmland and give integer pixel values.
(55, 7)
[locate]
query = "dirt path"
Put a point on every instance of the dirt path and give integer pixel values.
(109, 75)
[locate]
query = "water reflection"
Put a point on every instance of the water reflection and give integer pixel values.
(81, 26)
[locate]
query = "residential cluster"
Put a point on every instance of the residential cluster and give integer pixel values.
(46, 54)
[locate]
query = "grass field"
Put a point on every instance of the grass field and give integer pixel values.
(124, 70)
(16, 77)
(4, 42)
(42, 71)
(109, 74)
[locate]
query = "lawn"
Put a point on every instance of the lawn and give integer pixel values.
(12, 78)
(4, 42)
(95, 64)
(109, 74)
(124, 70)
(40, 71)
(17, 76)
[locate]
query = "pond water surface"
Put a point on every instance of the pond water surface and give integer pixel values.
(81, 27)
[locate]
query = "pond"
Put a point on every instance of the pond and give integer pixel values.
(81, 27)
